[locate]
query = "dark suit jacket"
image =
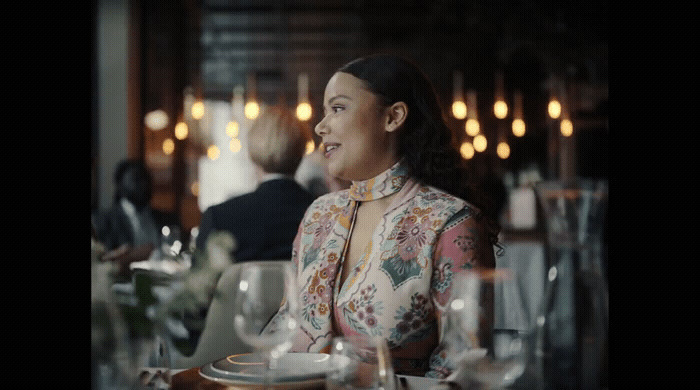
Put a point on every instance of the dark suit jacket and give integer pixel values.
(263, 222)
(113, 228)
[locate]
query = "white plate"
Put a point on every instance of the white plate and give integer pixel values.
(294, 370)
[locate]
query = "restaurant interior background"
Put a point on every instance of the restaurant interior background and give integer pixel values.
(171, 79)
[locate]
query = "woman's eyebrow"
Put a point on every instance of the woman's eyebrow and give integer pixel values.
(331, 100)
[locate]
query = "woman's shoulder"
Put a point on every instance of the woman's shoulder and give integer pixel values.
(326, 201)
(444, 204)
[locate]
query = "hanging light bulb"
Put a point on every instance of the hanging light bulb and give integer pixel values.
(466, 150)
(566, 127)
(168, 146)
(156, 120)
(213, 152)
(181, 130)
(252, 109)
(518, 123)
(303, 108)
(459, 108)
(554, 108)
(480, 143)
(232, 129)
(194, 188)
(500, 108)
(234, 145)
(503, 150)
(472, 126)
(198, 110)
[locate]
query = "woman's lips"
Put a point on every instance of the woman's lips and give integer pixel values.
(329, 148)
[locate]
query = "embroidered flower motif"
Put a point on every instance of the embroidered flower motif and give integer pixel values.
(464, 242)
(413, 320)
(442, 276)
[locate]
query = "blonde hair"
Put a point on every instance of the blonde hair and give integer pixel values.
(277, 140)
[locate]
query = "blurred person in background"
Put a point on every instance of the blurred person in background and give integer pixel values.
(130, 228)
(379, 258)
(264, 222)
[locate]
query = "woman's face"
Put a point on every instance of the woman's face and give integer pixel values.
(357, 143)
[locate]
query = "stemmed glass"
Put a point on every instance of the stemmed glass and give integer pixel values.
(494, 358)
(360, 362)
(266, 311)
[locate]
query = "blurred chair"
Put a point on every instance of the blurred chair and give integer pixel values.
(219, 338)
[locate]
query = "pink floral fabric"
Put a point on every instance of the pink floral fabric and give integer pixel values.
(401, 285)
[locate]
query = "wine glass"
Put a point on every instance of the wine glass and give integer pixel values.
(265, 310)
(360, 362)
(493, 357)
(170, 241)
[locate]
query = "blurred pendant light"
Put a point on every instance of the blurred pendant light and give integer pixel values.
(198, 110)
(565, 126)
(232, 129)
(500, 107)
(502, 149)
(472, 127)
(252, 108)
(168, 146)
(480, 143)
(467, 150)
(518, 122)
(303, 107)
(459, 108)
(156, 120)
(181, 130)
(554, 106)
(213, 152)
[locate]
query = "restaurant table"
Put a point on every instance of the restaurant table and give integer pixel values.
(190, 379)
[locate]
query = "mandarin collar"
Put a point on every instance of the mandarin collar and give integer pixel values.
(384, 184)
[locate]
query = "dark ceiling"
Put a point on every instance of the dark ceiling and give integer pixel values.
(276, 40)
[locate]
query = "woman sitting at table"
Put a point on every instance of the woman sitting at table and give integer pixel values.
(378, 258)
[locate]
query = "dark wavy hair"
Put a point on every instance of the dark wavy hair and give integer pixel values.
(426, 143)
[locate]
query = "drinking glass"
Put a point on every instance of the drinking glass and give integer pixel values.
(494, 358)
(170, 241)
(360, 362)
(265, 310)
(572, 323)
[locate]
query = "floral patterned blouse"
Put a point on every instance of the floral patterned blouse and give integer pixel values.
(402, 283)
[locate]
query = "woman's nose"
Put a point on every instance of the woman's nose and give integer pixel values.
(320, 128)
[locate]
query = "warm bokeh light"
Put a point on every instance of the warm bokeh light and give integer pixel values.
(310, 147)
(480, 143)
(500, 109)
(251, 110)
(467, 150)
(518, 127)
(554, 109)
(472, 127)
(503, 150)
(234, 145)
(198, 110)
(156, 120)
(213, 152)
(168, 146)
(459, 109)
(566, 127)
(181, 130)
(194, 188)
(304, 111)
(232, 129)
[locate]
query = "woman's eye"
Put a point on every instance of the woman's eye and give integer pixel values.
(336, 108)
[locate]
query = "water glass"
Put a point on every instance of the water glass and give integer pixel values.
(360, 362)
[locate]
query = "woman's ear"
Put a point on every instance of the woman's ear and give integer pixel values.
(396, 116)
